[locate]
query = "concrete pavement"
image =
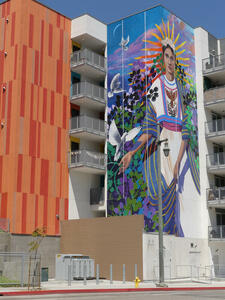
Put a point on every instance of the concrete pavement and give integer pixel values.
(104, 286)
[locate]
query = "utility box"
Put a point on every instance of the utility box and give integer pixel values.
(80, 265)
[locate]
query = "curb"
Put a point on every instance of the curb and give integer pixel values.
(119, 290)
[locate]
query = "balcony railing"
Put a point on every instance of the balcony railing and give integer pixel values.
(97, 196)
(88, 159)
(213, 63)
(88, 57)
(216, 232)
(215, 159)
(215, 94)
(216, 195)
(85, 123)
(86, 89)
(215, 126)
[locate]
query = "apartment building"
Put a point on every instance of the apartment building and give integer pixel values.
(87, 158)
(210, 54)
(55, 86)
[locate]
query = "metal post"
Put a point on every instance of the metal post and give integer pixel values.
(97, 274)
(161, 261)
(124, 274)
(22, 269)
(111, 274)
(135, 271)
(221, 234)
(85, 273)
(69, 275)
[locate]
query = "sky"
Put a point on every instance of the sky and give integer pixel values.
(209, 14)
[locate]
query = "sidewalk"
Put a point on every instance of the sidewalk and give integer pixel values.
(54, 286)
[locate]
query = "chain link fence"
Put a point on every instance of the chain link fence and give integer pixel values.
(19, 269)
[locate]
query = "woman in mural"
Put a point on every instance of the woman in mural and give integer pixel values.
(164, 105)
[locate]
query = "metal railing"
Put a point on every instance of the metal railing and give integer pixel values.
(215, 126)
(97, 196)
(217, 271)
(193, 272)
(86, 89)
(216, 195)
(214, 94)
(213, 63)
(215, 159)
(89, 57)
(88, 158)
(216, 232)
(88, 124)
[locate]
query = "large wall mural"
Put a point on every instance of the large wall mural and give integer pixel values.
(151, 78)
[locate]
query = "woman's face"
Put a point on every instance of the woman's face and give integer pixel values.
(169, 62)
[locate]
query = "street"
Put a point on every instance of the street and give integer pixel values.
(170, 295)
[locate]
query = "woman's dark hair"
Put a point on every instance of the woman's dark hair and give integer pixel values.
(166, 47)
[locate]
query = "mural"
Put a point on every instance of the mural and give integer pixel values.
(151, 78)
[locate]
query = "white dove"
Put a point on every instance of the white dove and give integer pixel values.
(124, 43)
(117, 140)
(115, 86)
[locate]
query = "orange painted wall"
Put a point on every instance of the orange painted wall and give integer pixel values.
(35, 109)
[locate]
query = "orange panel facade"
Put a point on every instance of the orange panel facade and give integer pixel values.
(34, 115)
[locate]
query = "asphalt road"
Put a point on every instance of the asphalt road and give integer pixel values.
(173, 295)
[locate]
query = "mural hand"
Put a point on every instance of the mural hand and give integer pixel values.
(176, 171)
(125, 161)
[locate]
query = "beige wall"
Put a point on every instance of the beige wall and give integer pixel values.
(114, 240)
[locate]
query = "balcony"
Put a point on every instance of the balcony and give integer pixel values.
(88, 63)
(216, 232)
(216, 197)
(215, 130)
(214, 68)
(85, 93)
(88, 128)
(216, 163)
(215, 99)
(88, 162)
(97, 198)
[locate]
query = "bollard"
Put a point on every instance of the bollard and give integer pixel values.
(22, 269)
(135, 270)
(124, 274)
(85, 273)
(111, 275)
(97, 274)
(69, 275)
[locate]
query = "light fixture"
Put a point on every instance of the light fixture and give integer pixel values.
(166, 149)
(5, 53)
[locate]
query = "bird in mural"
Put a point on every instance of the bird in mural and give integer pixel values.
(115, 86)
(124, 43)
(115, 139)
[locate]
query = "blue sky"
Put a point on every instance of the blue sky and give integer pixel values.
(206, 13)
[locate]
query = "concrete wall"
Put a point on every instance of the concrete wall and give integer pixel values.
(115, 240)
(49, 247)
(87, 24)
(179, 254)
(201, 52)
(79, 194)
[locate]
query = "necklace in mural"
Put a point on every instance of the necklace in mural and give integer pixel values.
(171, 103)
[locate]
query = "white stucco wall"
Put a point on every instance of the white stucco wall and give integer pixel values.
(87, 24)
(179, 255)
(201, 52)
(79, 194)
